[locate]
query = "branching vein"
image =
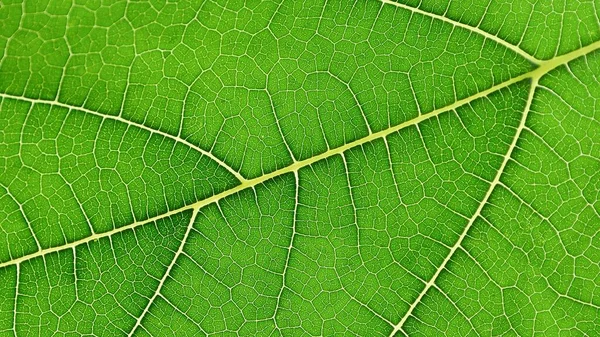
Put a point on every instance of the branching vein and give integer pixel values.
(477, 212)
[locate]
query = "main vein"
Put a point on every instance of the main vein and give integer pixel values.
(535, 74)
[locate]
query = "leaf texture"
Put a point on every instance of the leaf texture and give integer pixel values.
(300, 168)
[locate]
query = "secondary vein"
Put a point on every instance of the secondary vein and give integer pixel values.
(476, 30)
(167, 272)
(458, 243)
(131, 123)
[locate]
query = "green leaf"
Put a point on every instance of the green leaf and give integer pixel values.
(300, 168)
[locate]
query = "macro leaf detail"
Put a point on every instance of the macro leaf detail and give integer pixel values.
(300, 168)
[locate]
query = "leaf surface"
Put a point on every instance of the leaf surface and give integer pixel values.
(289, 168)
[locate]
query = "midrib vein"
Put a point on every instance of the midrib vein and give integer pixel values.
(535, 74)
